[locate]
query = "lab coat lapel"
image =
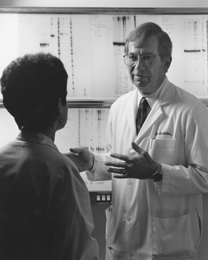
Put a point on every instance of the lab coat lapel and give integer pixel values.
(164, 98)
(153, 116)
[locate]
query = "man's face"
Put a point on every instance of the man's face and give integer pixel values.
(147, 77)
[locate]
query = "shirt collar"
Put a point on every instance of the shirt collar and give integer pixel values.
(36, 137)
(153, 97)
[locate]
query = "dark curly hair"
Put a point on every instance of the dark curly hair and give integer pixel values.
(31, 87)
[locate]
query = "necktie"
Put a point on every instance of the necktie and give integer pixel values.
(143, 111)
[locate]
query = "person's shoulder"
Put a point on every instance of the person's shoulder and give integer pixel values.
(50, 158)
(70, 173)
(179, 97)
(187, 99)
(61, 160)
(59, 166)
(5, 147)
(125, 97)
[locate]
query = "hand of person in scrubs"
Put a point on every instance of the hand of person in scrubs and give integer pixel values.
(138, 166)
(83, 159)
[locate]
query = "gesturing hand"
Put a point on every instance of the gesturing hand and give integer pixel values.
(82, 158)
(139, 166)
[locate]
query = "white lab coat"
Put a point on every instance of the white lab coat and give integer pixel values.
(163, 220)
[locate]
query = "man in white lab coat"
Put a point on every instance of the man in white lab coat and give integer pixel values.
(159, 174)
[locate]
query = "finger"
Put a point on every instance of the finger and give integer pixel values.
(120, 176)
(137, 148)
(119, 156)
(116, 164)
(116, 170)
(118, 173)
(141, 151)
(76, 150)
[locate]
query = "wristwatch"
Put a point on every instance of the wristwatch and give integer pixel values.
(158, 174)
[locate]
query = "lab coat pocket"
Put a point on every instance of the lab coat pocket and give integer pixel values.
(175, 236)
(162, 150)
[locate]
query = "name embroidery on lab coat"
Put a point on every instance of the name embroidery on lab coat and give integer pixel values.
(162, 133)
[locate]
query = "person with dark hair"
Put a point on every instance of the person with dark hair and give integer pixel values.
(157, 150)
(45, 211)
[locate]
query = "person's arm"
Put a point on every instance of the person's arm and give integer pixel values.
(94, 164)
(176, 179)
(83, 159)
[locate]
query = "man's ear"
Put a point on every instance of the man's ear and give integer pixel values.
(167, 63)
(60, 106)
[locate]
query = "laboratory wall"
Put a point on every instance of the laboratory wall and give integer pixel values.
(91, 46)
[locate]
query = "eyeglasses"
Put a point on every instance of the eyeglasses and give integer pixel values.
(146, 59)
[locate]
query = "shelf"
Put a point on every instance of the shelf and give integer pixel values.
(85, 103)
(99, 103)
(104, 10)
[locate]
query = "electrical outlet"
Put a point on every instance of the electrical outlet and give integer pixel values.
(103, 197)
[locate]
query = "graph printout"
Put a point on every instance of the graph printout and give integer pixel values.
(92, 48)
(85, 128)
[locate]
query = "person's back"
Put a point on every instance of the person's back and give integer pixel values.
(45, 209)
(24, 197)
(38, 187)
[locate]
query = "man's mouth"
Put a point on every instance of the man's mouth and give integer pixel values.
(139, 77)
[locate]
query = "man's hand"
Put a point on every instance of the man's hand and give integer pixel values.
(139, 166)
(83, 159)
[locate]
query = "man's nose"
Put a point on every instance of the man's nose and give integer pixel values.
(139, 64)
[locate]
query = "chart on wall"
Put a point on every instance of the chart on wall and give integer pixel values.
(92, 48)
(85, 128)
